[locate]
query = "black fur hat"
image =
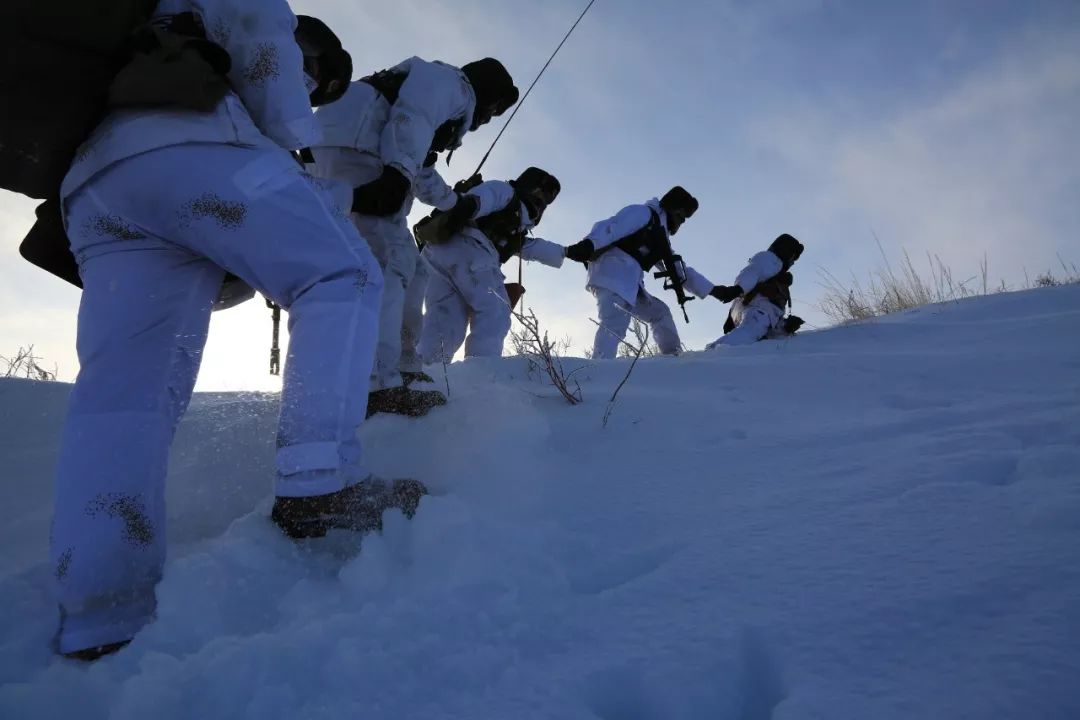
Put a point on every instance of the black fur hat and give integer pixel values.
(317, 40)
(529, 182)
(494, 88)
(534, 177)
(787, 248)
(677, 198)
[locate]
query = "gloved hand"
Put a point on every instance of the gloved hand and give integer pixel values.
(440, 226)
(382, 196)
(464, 186)
(430, 159)
(792, 323)
(581, 252)
(459, 216)
(419, 230)
(726, 293)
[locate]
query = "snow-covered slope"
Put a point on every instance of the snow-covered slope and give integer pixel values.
(875, 521)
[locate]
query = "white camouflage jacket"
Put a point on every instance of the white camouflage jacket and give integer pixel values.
(400, 135)
(494, 195)
(761, 267)
(615, 270)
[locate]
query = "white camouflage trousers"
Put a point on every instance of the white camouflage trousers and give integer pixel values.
(615, 314)
(754, 322)
(393, 246)
(412, 318)
(153, 235)
(465, 293)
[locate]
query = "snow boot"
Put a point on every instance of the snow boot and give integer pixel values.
(416, 377)
(358, 507)
(403, 401)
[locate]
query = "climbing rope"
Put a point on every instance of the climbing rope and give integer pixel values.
(521, 261)
(536, 80)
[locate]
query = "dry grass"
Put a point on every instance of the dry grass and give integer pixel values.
(892, 289)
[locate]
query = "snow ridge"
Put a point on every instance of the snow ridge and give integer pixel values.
(878, 520)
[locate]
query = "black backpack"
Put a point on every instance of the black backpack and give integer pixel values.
(63, 64)
(57, 61)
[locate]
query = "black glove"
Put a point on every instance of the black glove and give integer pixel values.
(382, 196)
(459, 216)
(463, 186)
(438, 227)
(792, 323)
(581, 252)
(726, 293)
(430, 159)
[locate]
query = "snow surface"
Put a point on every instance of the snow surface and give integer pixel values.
(876, 521)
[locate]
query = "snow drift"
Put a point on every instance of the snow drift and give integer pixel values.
(880, 520)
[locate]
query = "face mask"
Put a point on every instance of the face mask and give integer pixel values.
(674, 222)
(534, 207)
(482, 116)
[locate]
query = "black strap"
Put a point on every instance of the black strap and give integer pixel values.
(185, 23)
(502, 228)
(647, 245)
(768, 289)
(275, 344)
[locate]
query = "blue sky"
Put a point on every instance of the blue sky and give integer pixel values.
(943, 127)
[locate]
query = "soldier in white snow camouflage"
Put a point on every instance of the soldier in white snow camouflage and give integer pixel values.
(467, 290)
(383, 139)
(760, 296)
(159, 205)
(619, 251)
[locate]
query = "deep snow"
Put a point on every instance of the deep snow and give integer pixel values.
(876, 521)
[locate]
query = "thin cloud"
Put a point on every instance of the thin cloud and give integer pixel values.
(983, 168)
(972, 152)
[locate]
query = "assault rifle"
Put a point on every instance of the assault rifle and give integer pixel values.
(674, 277)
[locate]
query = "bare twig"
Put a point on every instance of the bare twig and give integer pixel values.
(640, 331)
(638, 352)
(543, 353)
(25, 364)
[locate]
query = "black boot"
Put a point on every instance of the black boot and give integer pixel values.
(416, 377)
(403, 401)
(358, 507)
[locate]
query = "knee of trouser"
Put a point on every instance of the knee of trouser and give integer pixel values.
(504, 322)
(363, 283)
(613, 310)
(400, 265)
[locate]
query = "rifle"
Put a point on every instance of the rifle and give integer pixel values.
(674, 279)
